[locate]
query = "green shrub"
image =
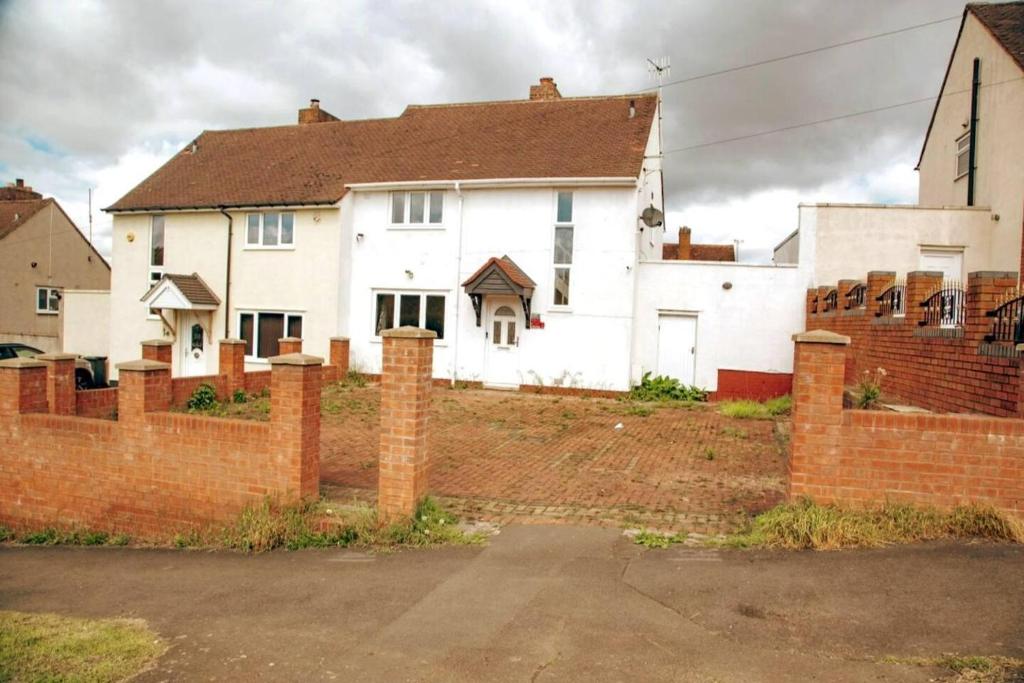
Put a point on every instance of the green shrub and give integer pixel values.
(93, 538)
(239, 396)
(203, 398)
(6, 534)
(663, 388)
(44, 537)
(869, 389)
(782, 405)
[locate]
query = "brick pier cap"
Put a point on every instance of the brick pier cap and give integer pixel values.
(409, 332)
(821, 337)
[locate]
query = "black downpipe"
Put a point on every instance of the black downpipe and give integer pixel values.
(972, 168)
(227, 278)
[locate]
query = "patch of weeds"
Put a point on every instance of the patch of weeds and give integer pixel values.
(735, 432)
(663, 388)
(315, 524)
(568, 415)
(460, 385)
(354, 378)
(655, 540)
(189, 539)
(781, 405)
(203, 398)
(94, 538)
(709, 454)
(970, 667)
(755, 410)
(640, 410)
(48, 647)
(239, 396)
(119, 540)
(45, 537)
(6, 534)
(807, 525)
(869, 389)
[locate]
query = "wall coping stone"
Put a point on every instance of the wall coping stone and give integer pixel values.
(994, 274)
(339, 339)
(56, 356)
(409, 332)
(925, 273)
(143, 365)
(231, 341)
(296, 359)
(820, 337)
(19, 363)
(882, 272)
(290, 339)
(157, 342)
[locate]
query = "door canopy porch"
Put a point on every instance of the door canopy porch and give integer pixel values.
(181, 293)
(500, 277)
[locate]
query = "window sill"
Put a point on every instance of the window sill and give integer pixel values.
(259, 247)
(255, 360)
(559, 309)
(47, 312)
(417, 226)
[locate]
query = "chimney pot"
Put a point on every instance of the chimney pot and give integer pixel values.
(19, 182)
(314, 103)
(547, 90)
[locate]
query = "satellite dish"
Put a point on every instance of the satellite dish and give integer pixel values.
(652, 217)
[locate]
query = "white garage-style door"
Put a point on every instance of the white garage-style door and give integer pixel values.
(677, 346)
(949, 262)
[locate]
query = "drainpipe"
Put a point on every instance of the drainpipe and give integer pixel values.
(458, 282)
(972, 152)
(227, 277)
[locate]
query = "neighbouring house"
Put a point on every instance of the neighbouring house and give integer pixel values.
(525, 233)
(42, 254)
(970, 209)
(685, 250)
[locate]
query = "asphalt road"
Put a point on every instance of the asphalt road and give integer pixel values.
(541, 603)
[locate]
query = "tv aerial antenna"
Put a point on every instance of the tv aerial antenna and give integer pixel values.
(659, 68)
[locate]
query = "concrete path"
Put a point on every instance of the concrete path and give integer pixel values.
(541, 603)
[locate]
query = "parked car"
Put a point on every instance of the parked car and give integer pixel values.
(84, 378)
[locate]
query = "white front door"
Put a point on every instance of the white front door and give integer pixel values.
(502, 356)
(949, 262)
(677, 347)
(192, 345)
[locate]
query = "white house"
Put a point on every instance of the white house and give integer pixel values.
(970, 207)
(526, 233)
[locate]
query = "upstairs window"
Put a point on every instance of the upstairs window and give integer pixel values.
(417, 208)
(562, 258)
(47, 300)
(270, 230)
(156, 249)
(963, 155)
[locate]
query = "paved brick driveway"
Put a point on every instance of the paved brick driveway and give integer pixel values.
(530, 458)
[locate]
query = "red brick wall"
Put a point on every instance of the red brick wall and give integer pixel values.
(100, 403)
(183, 387)
(859, 457)
(758, 386)
(938, 369)
(152, 472)
(255, 382)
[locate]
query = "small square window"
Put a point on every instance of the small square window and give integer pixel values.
(47, 300)
(963, 155)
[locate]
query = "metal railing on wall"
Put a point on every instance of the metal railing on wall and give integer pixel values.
(946, 307)
(857, 297)
(892, 302)
(1008, 325)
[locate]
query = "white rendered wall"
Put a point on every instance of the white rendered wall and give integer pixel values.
(746, 327)
(587, 345)
(85, 322)
(303, 279)
(846, 241)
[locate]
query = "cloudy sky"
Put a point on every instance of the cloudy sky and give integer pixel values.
(99, 94)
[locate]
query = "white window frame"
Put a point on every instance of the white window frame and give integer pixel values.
(396, 311)
(259, 245)
(256, 312)
(555, 265)
(407, 207)
(157, 270)
(51, 294)
(960, 151)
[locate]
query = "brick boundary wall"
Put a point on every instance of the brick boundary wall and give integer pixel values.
(941, 369)
(747, 384)
(857, 457)
(151, 472)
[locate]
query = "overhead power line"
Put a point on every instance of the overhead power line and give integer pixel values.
(831, 118)
(854, 41)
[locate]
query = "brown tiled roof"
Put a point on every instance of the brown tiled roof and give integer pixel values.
(192, 288)
(1006, 22)
(13, 214)
(712, 252)
(507, 266)
(312, 164)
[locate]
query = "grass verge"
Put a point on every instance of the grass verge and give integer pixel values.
(970, 667)
(48, 647)
(754, 410)
(806, 525)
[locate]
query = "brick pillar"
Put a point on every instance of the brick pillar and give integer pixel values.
(144, 386)
(404, 413)
(60, 382)
(920, 285)
(817, 410)
(288, 345)
(158, 350)
(295, 419)
(878, 282)
(231, 364)
(812, 294)
(340, 355)
(843, 289)
(22, 386)
(985, 291)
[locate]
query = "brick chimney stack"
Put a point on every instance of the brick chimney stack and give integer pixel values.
(314, 114)
(547, 90)
(18, 190)
(685, 251)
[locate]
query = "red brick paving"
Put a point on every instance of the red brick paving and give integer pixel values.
(511, 456)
